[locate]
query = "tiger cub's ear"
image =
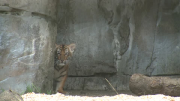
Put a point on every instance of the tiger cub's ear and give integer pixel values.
(56, 46)
(72, 47)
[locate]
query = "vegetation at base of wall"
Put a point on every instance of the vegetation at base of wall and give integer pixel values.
(32, 88)
(2, 90)
(49, 92)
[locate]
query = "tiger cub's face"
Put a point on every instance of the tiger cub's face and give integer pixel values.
(63, 52)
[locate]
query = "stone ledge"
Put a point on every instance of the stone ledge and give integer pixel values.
(45, 7)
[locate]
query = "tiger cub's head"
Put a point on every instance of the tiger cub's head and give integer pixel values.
(63, 52)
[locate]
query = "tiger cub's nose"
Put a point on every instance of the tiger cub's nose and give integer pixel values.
(62, 61)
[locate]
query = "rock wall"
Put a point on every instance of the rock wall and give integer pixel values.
(116, 38)
(27, 36)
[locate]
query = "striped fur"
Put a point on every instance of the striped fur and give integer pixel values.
(62, 53)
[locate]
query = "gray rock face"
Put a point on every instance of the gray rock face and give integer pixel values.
(26, 45)
(116, 38)
(44, 7)
(94, 52)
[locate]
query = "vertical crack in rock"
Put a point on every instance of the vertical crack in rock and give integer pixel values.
(116, 53)
(152, 54)
(152, 58)
(124, 32)
(131, 26)
(108, 13)
(117, 47)
(116, 42)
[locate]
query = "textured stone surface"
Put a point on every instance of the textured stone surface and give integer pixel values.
(26, 49)
(45, 7)
(10, 95)
(155, 40)
(140, 36)
(114, 38)
(87, 83)
(143, 85)
(87, 28)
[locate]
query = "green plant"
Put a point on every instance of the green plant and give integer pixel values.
(2, 90)
(32, 88)
(29, 89)
(49, 92)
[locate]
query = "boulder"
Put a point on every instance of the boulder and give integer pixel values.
(10, 95)
(27, 42)
(140, 84)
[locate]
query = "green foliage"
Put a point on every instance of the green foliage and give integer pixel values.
(29, 89)
(33, 88)
(2, 90)
(49, 92)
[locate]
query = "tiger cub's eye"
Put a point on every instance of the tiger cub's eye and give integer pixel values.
(66, 52)
(58, 51)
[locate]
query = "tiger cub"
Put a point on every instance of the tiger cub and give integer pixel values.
(62, 53)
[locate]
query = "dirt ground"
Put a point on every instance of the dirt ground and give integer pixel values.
(76, 95)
